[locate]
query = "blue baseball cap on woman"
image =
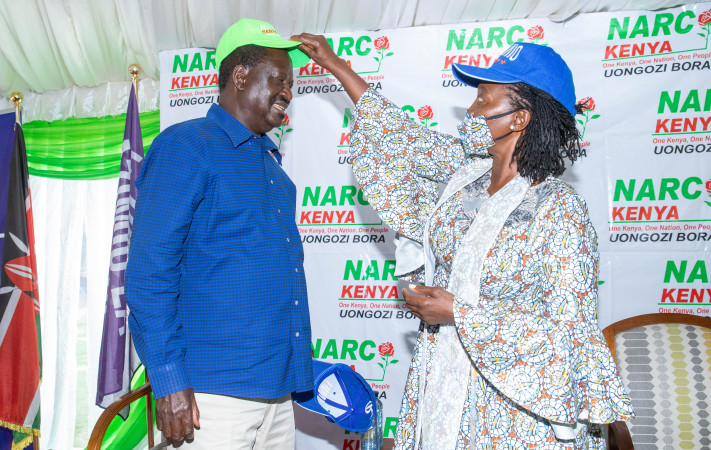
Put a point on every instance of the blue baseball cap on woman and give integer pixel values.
(536, 65)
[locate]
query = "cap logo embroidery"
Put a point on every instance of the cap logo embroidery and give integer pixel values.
(511, 53)
(369, 408)
(267, 30)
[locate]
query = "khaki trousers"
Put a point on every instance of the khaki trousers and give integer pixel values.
(234, 423)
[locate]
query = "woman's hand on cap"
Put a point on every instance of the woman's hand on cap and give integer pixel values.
(317, 48)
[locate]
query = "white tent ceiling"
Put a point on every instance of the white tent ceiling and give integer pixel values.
(49, 45)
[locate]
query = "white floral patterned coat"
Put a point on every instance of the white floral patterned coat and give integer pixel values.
(525, 364)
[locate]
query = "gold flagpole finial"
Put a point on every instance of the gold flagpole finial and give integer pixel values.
(17, 98)
(135, 70)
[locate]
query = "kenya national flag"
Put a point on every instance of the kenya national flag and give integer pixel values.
(20, 354)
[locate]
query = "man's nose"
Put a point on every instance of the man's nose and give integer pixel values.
(286, 92)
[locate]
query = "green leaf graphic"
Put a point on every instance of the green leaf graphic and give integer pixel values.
(434, 124)
(579, 121)
(381, 365)
(600, 282)
(288, 130)
(390, 54)
(393, 361)
(376, 58)
(595, 116)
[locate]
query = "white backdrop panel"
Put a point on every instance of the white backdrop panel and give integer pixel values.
(644, 171)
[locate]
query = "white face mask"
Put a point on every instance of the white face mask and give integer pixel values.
(475, 135)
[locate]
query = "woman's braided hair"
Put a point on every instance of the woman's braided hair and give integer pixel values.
(550, 136)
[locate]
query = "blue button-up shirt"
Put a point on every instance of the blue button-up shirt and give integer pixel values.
(215, 278)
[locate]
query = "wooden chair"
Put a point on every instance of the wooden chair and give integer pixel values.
(665, 362)
(97, 434)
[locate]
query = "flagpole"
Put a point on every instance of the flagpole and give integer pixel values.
(17, 98)
(135, 70)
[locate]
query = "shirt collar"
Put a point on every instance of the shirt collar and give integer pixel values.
(236, 131)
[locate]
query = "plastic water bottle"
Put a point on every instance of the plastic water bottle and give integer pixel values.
(373, 438)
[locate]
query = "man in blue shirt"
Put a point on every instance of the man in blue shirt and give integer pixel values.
(215, 280)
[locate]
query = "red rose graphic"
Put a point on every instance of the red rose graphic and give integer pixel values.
(708, 187)
(281, 131)
(705, 18)
(425, 112)
(385, 349)
(382, 43)
(535, 32)
(587, 103)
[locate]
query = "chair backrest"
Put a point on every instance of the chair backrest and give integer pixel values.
(97, 434)
(665, 362)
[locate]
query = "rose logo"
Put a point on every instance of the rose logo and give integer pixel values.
(705, 18)
(705, 24)
(425, 114)
(708, 190)
(536, 33)
(281, 131)
(386, 351)
(381, 44)
(588, 106)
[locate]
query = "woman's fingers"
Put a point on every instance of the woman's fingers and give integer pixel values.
(413, 302)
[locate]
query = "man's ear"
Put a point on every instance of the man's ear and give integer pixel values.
(239, 77)
(521, 119)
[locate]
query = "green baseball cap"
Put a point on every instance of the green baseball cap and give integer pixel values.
(263, 34)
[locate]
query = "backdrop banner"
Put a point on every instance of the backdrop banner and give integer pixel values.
(645, 78)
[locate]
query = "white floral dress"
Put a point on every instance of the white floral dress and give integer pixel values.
(525, 364)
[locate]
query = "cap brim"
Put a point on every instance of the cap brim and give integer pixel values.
(309, 400)
(298, 58)
(472, 75)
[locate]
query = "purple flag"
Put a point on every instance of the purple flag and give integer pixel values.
(118, 358)
(7, 137)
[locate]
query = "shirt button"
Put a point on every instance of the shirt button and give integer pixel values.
(296, 302)
(279, 210)
(287, 240)
(271, 181)
(296, 270)
(297, 334)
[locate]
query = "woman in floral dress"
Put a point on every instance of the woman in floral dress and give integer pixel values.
(509, 353)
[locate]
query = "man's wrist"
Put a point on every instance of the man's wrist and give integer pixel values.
(168, 378)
